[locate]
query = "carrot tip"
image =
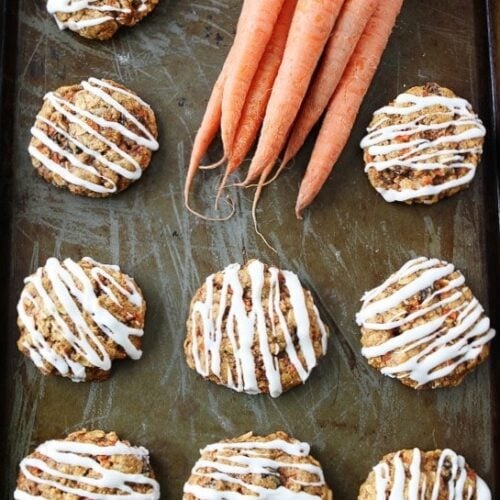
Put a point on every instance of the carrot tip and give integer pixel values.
(299, 208)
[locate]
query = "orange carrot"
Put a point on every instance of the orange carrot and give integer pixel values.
(251, 41)
(347, 31)
(208, 129)
(344, 106)
(260, 90)
(311, 26)
(210, 124)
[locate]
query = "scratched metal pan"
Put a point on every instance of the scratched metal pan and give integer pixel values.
(350, 240)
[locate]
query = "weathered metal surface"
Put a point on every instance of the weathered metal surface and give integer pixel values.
(349, 241)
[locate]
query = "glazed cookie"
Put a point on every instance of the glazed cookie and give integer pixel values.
(94, 138)
(423, 475)
(253, 328)
(87, 464)
(274, 466)
(98, 19)
(76, 318)
(424, 326)
(424, 146)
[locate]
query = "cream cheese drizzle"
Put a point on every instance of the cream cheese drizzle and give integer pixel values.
(414, 486)
(449, 156)
(75, 293)
(84, 455)
(252, 458)
(445, 348)
(126, 166)
(245, 329)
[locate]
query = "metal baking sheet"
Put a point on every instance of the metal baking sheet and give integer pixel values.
(350, 240)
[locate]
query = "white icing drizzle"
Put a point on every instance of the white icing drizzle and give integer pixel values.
(448, 157)
(75, 293)
(84, 455)
(242, 328)
(126, 166)
(72, 6)
(252, 457)
(413, 485)
(459, 344)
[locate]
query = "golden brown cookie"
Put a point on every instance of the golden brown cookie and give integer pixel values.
(253, 328)
(98, 19)
(424, 326)
(94, 138)
(274, 466)
(75, 318)
(423, 146)
(84, 465)
(423, 475)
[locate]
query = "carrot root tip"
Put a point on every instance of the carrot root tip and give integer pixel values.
(229, 201)
(221, 188)
(217, 164)
(299, 210)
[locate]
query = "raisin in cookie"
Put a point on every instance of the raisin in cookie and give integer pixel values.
(253, 328)
(75, 318)
(94, 138)
(98, 19)
(426, 475)
(424, 146)
(274, 466)
(424, 326)
(84, 465)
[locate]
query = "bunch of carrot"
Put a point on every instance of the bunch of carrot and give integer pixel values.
(291, 63)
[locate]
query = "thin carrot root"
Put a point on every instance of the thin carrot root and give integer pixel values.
(222, 186)
(255, 202)
(266, 183)
(280, 169)
(206, 217)
(213, 166)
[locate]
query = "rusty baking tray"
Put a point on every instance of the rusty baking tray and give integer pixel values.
(348, 242)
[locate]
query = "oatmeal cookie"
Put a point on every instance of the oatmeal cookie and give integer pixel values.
(94, 138)
(424, 326)
(253, 328)
(424, 146)
(426, 475)
(76, 318)
(274, 466)
(98, 19)
(87, 464)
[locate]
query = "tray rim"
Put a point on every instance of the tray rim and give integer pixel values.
(490, 22)
(8, 44)
(492, 26)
